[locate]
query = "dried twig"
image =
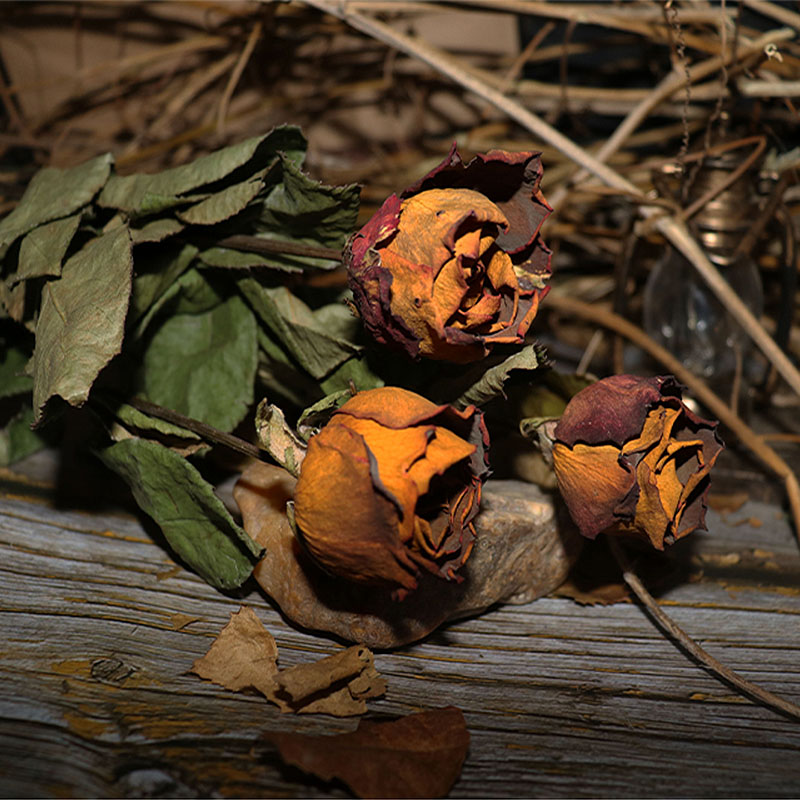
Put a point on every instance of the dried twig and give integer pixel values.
(674, 230)
(670, 627)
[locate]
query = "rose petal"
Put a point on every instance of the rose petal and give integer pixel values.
(357, 539)
(592, 481)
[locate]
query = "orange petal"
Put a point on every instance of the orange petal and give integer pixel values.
(449, 289)
(429, 222)
(592, 483)
(443, 451)
(357, 540)
(392, 406)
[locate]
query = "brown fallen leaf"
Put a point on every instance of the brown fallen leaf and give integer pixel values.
(338, 685)
(244, 655)
(416, 756)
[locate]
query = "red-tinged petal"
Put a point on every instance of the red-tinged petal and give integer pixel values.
(611, 411)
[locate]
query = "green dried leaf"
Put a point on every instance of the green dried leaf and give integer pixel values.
(203, 365)
(13, 300)
(52, 194)
(355, 370)
(224, 204)
(137, 420)
(294, 325)
(491, 383)
(82, 320)
(160, 283)
(156, 231)
(193, 519)
(314, 417)
(300, 209)
(17, 440)
(142, 194)
(13, 380)
(42, 250)
(228, 258)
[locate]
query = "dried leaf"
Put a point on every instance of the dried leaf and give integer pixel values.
(82, 319)
(52, 194)
(278, 439)
(491, 382)
(204, 365)
(193, 519)
(17, 440)
(143, 194)
(42, 250)
(13, 380)
(224, 204)
(297, 329)
(416, 756)
(312, 688)
(243, 656)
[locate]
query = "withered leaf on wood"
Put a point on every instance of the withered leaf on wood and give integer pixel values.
(338, 685)
(245, 655)
(416, 756)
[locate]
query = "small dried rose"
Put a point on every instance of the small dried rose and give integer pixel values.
(629, 456)
(456, 263)
(391, 484)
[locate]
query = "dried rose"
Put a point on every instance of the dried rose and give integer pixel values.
(455, 264)
(391, 485)
(629, 456)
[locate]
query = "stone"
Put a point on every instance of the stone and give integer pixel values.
(524, 549)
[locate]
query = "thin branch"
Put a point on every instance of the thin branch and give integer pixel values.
(674, 230)
(206, 432)
(222, 111)
(697, 386)
(670, 627)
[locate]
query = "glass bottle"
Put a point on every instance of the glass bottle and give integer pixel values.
(682, 313)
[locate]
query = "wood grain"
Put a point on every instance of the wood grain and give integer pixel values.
(99, 627)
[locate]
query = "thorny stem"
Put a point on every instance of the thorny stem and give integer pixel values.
(673, 229)
(206, 432)
(669, 626)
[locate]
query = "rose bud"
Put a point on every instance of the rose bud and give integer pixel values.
(455, 264)
(391, 485)
(630, 457)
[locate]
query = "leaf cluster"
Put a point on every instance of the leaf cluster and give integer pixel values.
(199, 289)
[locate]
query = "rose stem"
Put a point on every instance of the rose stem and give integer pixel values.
(687, 643)
(207, 432)
(559, 302)
(671, 227)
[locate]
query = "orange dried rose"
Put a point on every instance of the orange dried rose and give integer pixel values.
(630, 457)
(391, 485)
(455, 264)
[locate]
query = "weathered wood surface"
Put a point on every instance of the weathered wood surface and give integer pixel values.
(99, 628)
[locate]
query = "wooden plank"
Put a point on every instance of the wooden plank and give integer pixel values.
(99, 627)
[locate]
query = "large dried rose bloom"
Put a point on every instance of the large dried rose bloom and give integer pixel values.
(391, 485)
(455, 264)
(629, 456)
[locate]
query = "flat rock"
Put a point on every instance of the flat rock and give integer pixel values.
(524, 549)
